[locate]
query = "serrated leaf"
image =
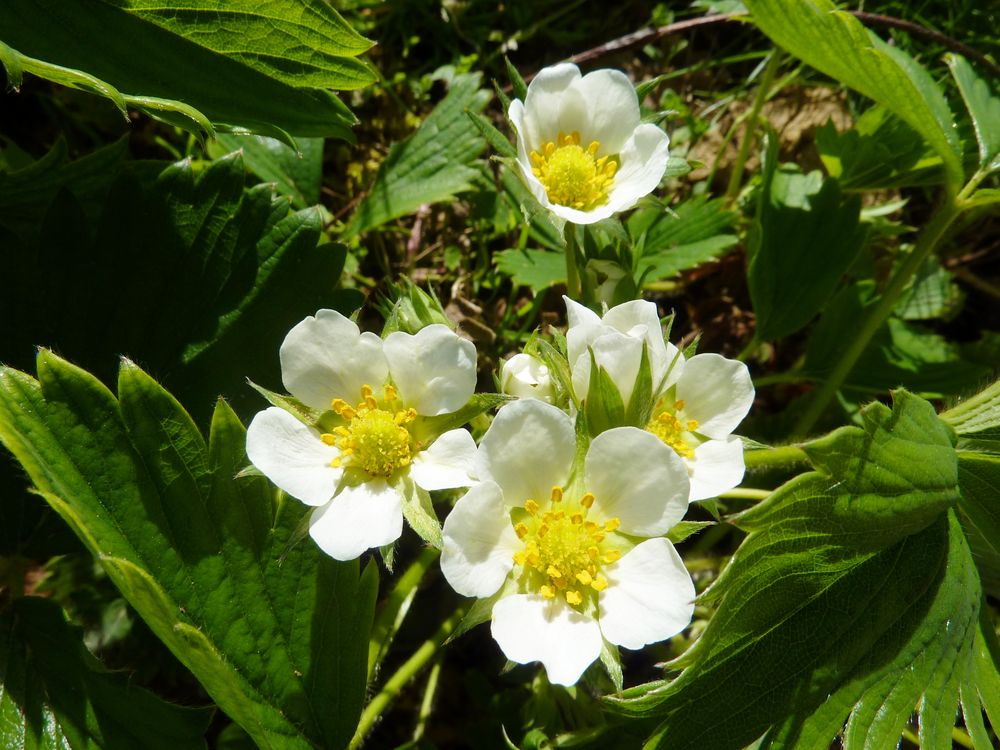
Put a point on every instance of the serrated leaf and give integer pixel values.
(296, 172)
(53, 691)
(684, 529)
(258, 67)
(271, 632)
(845, 570)
(497, 140)
(984, 109)
(977, 416)
(932, 294)
(804, 238)
(536, 269)
(430, 166)
(835, 43)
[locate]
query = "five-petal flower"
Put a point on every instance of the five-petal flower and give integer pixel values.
(377, 389)
(582, 148)
(561, 547)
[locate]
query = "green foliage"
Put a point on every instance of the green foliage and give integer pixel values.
(879, 152)
(204, 65)
(53, 691)
(805, 236)
(295, 172)
(984, 109)
(900, 353)
(853, 598)
(433, 164)
(834, 42)
(536, 269)
(277, 636)
(223, 271)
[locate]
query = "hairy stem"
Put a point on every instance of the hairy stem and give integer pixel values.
(780, 456)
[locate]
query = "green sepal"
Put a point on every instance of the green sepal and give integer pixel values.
(418, 510)
(641, 404)
(480, 611)
(388, 554)
(494, 137)
(412, 310)
(603, 405)
(517, 84)
(305, 414)
(642, 90)
(612, 663)
(427, 429)
(684, 529)
(558, 366)
(504, 99)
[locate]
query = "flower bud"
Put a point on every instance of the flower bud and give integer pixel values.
(526, 376)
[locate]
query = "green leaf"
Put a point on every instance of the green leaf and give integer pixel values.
(519, 87)
(804, 238)
(262, 67)
(295, 172)
(880, 152)
(682, 530)
(225, 271)
(536, 269)
(418, 510)
(53, 691)
(979, 480)
(430, 166)
(984, 109)
(426, 429)
(497, 140)
(977, 416)
(932, 294)
(851, 576)
(835, 43)
(900, 353)
(276, 635)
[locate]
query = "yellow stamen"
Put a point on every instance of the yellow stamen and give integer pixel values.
(375, 438)
(573, 176)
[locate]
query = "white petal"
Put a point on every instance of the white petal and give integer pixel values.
(434, 370)
(584, 326)
(578, 217)
(716, 391)
(649, 597)
(292, 456)
(613, 112)
(360, 517)
(552, 105)
(325, 357)
(620, 355)
(446, 463)
(643, 163)
(529, 628)
(525, 376)
(717, 467)
(636, 478)
(527, 450)
(479, 542)
(640, 318)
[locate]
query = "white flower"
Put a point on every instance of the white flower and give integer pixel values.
(376, 389)
(697, 403)
(581, 145)
(562, 548)
(526, 376)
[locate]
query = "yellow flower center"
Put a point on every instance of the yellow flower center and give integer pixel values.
(574, 176)
(670, 426)
(375, 438)
(564, 550)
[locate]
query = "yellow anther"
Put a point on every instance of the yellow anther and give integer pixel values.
(531, 506)
(678, 406)
(367, 392)
(553, 572)
(342, 408)
(547, 591)
(587, 500)
(692, 424)
(521, 529)
(573, 597)
(612, 555)
(571, 175)
(599, 584)
(557, 494)
(584, 577)
(542, 531)
(576, 518)
(327, 438)
(374, 439)
(611, 524)
(520, 557)
(593, 552)
(391, 394)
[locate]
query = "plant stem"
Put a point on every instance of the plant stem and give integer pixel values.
(926, 244)
(766, 457)
(395, 684)
(573, 289)
(746, 493)
(736, 176)
(427, 705)
(395, 607)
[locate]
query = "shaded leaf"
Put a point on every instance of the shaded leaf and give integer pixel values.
(535, 269)
(984, 109)
(296, 172)
(276, 635)
(53, 691)
(835, 43)
(430, 166)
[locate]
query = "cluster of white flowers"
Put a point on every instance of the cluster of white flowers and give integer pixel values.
(568, 540)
